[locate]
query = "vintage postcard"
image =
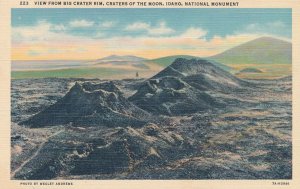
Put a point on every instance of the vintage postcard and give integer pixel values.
(168, 94)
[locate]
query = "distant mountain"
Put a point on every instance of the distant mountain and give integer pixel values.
(129, 62)
(264, 50)
(127, 58)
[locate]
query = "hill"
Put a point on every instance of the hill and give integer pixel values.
(90, 105)
(264, 50)
(168, 60)
(121, 58)
(184, 87)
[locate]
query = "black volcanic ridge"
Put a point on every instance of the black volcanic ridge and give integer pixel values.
(202, 74)
(184, 87)
(90, 104)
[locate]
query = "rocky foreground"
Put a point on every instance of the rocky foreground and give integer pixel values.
(193, 120)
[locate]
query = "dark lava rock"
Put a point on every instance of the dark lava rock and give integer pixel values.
(90, 105)
(106, 160)
(131, 149)
(18, 137)
(151, 130)
(185, 87)
(172, 96)
(201, 72)
(44, 166)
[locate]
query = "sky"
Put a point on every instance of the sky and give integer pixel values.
(69, 34)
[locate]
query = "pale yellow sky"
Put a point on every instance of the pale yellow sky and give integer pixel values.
(147, 47)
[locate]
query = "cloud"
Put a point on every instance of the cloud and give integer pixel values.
(81, 23)
(160, 29)
(39, 32)
(59, 27)
(194, 33)
(276, 29)
(108, 24)
(44, 32)
(137, 26)
(46, 40)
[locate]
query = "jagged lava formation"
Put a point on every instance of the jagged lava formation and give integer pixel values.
(184, 87)
(97, 133)
(90, 104)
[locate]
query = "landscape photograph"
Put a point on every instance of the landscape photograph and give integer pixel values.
(155, 93)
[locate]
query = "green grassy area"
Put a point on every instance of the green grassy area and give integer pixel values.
(267, 71)
(261, 75)
(68, 73)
